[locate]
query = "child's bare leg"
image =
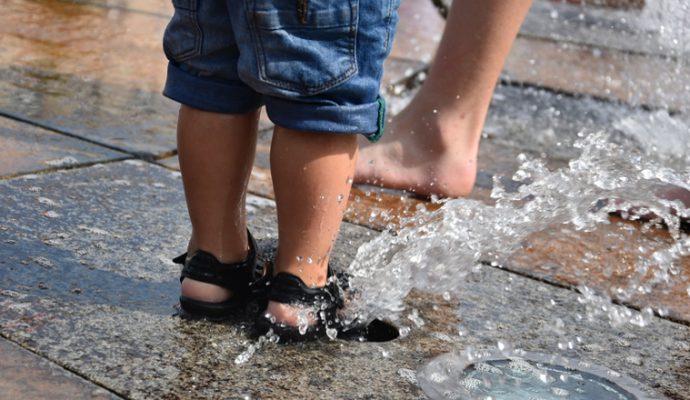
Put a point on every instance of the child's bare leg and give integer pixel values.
(216, 154)
(312, 175)
(431, 146)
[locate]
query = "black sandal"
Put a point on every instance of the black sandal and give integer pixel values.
(245, 279)
(325, 302)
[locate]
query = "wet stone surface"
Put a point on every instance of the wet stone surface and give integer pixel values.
(603, 259)
(56, 70)
(98, 265)
(614, 28)
(128, 119)
(85, 274)
(634, 56)
(636, 79)
(25, 148)
(87, 70)
(609, 53)
(27, 376)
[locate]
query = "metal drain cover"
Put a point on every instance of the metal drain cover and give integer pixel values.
(524, 376)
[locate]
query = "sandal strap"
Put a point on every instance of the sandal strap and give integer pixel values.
(203, 266)
(289, 289)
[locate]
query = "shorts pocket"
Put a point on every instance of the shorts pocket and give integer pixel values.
(183, 37)
(305, 46)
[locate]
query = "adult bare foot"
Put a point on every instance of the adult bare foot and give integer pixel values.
(425, 150)
(431, 147)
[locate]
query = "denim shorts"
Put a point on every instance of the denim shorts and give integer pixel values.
(315, 64)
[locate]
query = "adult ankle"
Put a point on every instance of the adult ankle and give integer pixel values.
(449, 125)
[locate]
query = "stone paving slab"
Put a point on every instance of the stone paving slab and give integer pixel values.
(87, 70)
(604, 52)
(610, 54)
(602, 259)
(25, 149)
(600, 72)
(27, 376)
(420, 28)
(97, 265)
(615, 28)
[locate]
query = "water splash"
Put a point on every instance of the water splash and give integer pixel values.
(659, 134)
(436, 250)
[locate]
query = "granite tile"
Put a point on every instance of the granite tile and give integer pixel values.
(25, 149)
(28, 376)
(624, 29)
(419, 30)
(98, 264)
(640, 80)
(89, 71)
(602, 259)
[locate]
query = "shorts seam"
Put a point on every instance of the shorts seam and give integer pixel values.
(388, 23)
(192, 13)
(312, 90)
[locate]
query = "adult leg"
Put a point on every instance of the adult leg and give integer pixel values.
(312, 175)
(216, 154)
(431, 146)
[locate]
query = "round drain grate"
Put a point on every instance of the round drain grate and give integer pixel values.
(524, 376)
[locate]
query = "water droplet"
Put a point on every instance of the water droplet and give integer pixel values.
(404, 331)
(51, 214)
(332, 333)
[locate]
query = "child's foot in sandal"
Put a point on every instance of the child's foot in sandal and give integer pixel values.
(297, 312)
(215, 290)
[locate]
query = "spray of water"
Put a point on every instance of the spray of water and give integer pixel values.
(434, 251)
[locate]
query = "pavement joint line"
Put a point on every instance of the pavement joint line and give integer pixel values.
(261, 195)
(50, 170)
(411, 82)
(116, 7)
(67, 132)
(443, 9)
(60, 365)
(565, 40)
(560, 285)
(506, 81)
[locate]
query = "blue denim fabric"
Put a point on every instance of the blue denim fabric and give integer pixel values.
(315, 64)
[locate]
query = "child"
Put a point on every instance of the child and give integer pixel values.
(316, 65)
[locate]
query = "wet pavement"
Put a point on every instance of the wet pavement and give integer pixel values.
(93, 210)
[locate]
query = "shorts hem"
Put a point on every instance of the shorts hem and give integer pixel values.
(208, 94)
(328, 118)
